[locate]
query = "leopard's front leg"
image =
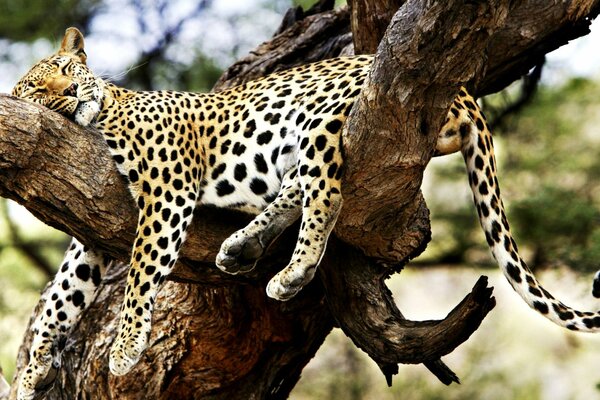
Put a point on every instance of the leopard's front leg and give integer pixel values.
(72, 290)
(161, 231)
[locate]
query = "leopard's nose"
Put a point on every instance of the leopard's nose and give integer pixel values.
(71, 90)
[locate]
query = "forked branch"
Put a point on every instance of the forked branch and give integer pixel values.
(365, 310)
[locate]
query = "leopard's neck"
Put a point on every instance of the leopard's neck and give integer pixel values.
(126, 104)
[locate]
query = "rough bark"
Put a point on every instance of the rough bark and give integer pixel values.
(369, 20)
(217, 336)
(533, 29)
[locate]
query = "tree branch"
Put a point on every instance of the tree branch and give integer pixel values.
(313, 38)
(369, 21)
(533, 29)
(528, 89)
(352, 281)
(415, 77)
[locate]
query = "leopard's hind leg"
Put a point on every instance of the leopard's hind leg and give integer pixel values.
(240, 251)
(319, 174)
(72, 290)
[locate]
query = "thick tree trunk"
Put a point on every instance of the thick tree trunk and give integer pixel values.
(217, 336)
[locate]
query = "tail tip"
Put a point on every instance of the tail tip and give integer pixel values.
(596, 285)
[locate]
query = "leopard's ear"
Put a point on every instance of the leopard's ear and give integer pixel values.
(72, 44)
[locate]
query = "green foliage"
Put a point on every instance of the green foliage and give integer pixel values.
(27, 20)
(560, 224)
(305, 4)
(552, 155)
(199, 76)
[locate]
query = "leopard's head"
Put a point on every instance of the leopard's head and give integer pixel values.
(63, 82)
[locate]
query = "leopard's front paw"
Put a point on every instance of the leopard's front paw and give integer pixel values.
(126, 352)
(288, 282)
(239, 254)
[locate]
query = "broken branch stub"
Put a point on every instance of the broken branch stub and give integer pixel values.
(365, 310)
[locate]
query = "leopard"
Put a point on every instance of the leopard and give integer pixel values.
(271, 147)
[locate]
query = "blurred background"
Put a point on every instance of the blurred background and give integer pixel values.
(547, 138)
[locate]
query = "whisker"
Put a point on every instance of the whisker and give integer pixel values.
(119, 75)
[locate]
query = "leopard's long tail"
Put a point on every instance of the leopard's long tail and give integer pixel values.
(478, 152)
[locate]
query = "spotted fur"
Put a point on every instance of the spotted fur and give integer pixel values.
(71, 291)
(271, 147)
